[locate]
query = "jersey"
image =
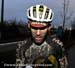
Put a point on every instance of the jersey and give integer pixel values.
(49, 52)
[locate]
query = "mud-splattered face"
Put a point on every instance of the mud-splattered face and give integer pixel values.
(39, 31)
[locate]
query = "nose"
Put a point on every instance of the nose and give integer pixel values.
(38, 32)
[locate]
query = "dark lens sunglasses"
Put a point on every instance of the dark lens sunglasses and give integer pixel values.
(41, 28)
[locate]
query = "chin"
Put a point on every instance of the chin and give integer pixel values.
(38, 42)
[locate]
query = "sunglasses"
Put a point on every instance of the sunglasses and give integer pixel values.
(41, 28)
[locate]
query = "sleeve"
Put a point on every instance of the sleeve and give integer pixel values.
(19, 58)
(60, 52)
(63, 60)
(58, 46)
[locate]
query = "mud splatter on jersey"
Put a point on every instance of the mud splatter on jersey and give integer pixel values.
(36, 51)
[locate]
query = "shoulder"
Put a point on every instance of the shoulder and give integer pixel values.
(54, 41)
(57, 41)
(23, 42)
(21, 46)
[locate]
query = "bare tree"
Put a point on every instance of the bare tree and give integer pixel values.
(73, 23)
(66, 15)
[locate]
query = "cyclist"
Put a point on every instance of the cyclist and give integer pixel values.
(41, 48)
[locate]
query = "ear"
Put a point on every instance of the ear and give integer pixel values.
(49, 28)
(29, 24)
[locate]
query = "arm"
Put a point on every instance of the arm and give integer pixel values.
(61, 54)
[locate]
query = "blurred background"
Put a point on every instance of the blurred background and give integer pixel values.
(13, 26)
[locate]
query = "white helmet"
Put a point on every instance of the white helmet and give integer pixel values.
(40, 13)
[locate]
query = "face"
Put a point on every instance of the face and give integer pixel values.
(39, 31)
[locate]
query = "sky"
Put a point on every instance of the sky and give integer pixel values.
(16, 9)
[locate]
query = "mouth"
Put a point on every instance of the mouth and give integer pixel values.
(38, 39)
